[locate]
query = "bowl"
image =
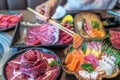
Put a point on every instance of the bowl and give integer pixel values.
(21, 52)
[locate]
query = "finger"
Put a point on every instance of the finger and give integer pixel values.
(40, 9)
(47, 12)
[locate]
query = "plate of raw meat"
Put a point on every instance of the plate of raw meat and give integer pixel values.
(9, 19)
(45, 34)
(32, 64)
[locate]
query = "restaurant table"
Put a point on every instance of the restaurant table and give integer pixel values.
(28, 16)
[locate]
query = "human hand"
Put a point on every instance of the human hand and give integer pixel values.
(47, 9)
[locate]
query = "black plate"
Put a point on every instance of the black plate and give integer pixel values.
(21, 52)
(17, 41)
(10, 13)
(113, 23)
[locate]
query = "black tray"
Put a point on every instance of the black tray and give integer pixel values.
(17, 41)
(10, 13)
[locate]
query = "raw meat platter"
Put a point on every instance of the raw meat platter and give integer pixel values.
(45, 34)
(9, 19)
(32, 64)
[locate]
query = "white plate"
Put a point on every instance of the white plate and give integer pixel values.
(60, 12)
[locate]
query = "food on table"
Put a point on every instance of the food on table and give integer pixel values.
(67, 22)
(89, 23)
(93, 60)
(115, 38)
(93, 75)
(77, 41)
(107, 63)
(76, 58)
(7, 21)
(33, 65)
(47, 34)
(94, 48)
(68, 19)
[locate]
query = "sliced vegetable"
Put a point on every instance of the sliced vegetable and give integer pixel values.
(95, 25)
(87, 67)
(68, 19)
(54, 63)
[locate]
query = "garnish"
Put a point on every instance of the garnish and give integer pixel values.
(84, 48)
(54, 63)
(72, 49)
(117, 60)
(95, 25)
(87, 67)
(70, 23)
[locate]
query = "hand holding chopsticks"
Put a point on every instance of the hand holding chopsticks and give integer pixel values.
(77, 40)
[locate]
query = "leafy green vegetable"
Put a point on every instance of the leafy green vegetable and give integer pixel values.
(117, 60)
(72, 49)
(54, 63)
(84, 47)
(87, 67)
(108, 35)
(95, 25)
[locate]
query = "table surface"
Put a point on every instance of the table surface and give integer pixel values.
(28, 16)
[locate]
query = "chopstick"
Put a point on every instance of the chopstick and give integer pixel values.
(53, 22)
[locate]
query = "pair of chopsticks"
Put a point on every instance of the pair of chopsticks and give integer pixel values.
(53, 22)
(77, 40)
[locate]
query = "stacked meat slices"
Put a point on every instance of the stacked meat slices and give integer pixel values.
(45, 34)
(7, 21)
(32, 65)
(115, 38)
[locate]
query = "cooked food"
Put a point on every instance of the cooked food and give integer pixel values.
(7, 21)
(33, 65)
(115, 38)
(47, 34)
(89, 25)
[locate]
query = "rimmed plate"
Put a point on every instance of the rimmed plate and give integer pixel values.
(10, 13)
(22, 51)
(5, 51)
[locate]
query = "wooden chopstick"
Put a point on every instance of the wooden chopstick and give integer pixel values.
(54, 23)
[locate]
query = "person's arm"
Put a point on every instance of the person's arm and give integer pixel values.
(48, 8)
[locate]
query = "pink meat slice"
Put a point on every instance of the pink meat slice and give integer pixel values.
(50, 74)
(48, 34)
(33, 64)
(45, 34)
(115, 38)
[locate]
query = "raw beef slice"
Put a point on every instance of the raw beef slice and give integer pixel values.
(48, 34)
